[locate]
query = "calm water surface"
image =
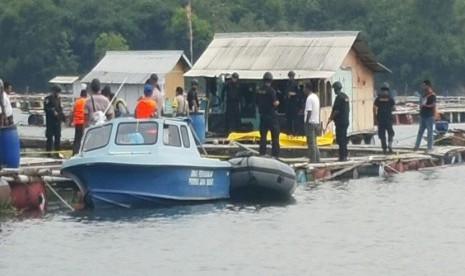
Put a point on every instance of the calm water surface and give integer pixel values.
(409, 224)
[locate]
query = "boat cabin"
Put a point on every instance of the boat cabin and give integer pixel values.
(140, 136)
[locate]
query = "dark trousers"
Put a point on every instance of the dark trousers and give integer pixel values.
(78, 132)
(291, 123)
(233, 117)
(384, 127)
(53, 135)
(269, 122)
(341, 140)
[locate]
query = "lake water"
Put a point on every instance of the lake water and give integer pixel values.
(408, 224)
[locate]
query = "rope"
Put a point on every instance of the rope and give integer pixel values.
(45, 152)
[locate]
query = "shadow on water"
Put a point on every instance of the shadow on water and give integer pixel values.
(178, 211)
(136, 214)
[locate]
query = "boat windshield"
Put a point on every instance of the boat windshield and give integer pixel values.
(97, 138)
(137, 133)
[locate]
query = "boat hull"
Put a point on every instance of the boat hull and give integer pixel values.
(129, 186)
(255, 177)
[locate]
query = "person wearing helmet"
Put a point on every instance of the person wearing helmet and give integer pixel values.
(232, 92)
(292, 103)
(340, 116)
(382, 109)
(267, 104)
(192, 96)
(53, 118)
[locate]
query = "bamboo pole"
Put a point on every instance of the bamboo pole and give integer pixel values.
(358, 164)
(244, 147)
(59, 197)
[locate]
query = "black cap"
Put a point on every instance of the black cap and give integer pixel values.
(268, 76)
(235, 75)
(56, 88)
(385, 86)
(337, 86)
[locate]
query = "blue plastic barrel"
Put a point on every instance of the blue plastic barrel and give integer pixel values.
(9, 147)
(198, 123)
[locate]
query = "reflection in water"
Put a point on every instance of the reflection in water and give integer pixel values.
(407, 224)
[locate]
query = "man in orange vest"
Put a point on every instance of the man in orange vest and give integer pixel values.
(78, 119)
(146, 107)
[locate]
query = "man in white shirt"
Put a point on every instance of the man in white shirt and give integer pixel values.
(312, 122)
(6, 111)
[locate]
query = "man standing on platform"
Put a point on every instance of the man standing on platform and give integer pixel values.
(179, 103)
(382, 109)
(267, 104)
(292, 103)
(157, 94)
(96, 104)
(312, 122)
(53, 118)
(146, 107)
(6, 110)
(78, 118)
(192, 97)
(233, 101)
(340, 116)
(427, 110)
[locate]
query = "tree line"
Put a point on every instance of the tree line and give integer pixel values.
(416, 39)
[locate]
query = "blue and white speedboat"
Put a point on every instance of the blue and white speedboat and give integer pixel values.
(131, 162)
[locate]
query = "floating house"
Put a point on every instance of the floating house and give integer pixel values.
(319, 57)
(70, 84)
(135, 67)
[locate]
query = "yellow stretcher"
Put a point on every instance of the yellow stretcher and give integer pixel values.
(284, 139)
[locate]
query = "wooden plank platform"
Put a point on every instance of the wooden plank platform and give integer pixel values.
(379, 164)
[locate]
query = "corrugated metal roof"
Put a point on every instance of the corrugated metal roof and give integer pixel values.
(136, 66)
(64, 79)
(308, 54)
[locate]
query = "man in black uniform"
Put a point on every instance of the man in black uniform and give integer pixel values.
(267, 104)
(292, 103)
(382, 109)
(54, 117)
(340, 116)
(192, 98)
(233, 100)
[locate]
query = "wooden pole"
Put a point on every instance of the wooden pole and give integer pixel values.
(191, 37)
